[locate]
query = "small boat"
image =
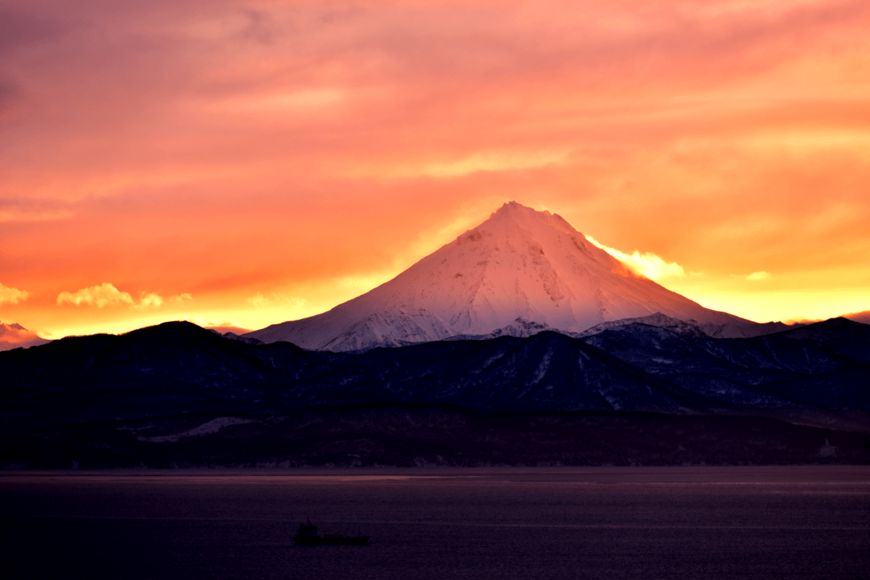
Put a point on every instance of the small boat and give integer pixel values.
(306, 535)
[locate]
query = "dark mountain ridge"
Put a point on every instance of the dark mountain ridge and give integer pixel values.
(633, 367)
(178, 373)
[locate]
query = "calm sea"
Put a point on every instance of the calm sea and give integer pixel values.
(792, 522)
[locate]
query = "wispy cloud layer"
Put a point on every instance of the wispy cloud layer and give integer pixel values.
(243, 146)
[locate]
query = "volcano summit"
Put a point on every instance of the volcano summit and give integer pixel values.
(519, 272)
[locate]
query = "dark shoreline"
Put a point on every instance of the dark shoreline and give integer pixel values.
(425, 436)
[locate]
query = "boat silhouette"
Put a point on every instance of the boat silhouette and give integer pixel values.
(306, 535)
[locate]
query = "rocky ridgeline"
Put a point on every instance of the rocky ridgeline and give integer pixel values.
(176, 386)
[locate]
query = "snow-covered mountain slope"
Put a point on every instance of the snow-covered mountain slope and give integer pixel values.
(518, 264)
(718, 329)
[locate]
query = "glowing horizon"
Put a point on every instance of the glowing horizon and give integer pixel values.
(250, 162)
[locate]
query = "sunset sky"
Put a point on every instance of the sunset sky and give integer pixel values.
(245, 163)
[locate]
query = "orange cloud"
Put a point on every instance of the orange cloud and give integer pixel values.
(12, 295)
(646, 264)
(107, 295)
(99, 296)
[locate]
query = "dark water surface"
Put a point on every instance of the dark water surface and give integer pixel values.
(786, 522)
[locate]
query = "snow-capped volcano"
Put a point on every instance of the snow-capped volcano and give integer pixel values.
(518, 264)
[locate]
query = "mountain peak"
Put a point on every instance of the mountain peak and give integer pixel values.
(515, 208)
(513, 205)
(527, 216)
(519, 264)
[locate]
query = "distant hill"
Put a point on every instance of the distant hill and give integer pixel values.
(862, 317)
(16, 336)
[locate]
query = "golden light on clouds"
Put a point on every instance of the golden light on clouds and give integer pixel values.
(250, 162)
(646, 264)
(106, 294)
(12, 295)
